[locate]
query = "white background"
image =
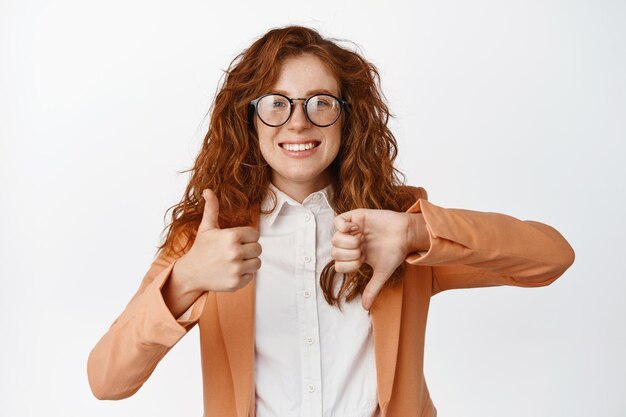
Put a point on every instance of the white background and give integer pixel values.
(516, 107)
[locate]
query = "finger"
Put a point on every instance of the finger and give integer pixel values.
(251, 250)
(372, 289)
(340, 254)
(211, 211)
(250, 266)
(343, 223)
(245, 234)
(241, 282)
(345, 267)
(245, 280)
(346, 241)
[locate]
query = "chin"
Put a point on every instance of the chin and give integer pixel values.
(300, 176)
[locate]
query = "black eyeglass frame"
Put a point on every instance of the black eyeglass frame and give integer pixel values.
(253, 108)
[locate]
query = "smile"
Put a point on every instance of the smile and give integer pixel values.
(299, 147)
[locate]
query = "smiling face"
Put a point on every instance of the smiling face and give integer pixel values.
(298, 172)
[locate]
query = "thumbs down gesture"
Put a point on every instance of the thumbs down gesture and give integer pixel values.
(380, 238)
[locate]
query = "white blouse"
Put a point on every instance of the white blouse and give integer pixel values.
(311, 360)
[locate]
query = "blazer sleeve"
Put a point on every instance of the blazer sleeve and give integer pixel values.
(471, 249)
(140, 337)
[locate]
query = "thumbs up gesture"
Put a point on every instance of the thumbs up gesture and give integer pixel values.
(379, 238)
(220, 259)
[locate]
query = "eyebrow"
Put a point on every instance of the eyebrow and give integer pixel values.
(308, 93)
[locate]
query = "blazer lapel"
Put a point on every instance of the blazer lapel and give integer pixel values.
(386, 313)
(236, 317)
(386, 316)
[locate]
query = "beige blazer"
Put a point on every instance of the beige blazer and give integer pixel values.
(468, 249)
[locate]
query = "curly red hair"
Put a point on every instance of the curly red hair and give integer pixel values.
(231, 164)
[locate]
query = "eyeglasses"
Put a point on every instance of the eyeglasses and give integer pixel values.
(275, 109)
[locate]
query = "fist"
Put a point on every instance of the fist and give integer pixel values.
(379, 238)
(220, 259)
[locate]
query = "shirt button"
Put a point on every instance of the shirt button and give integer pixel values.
(307, 217)
(310, 388)
(307, 293)
(310, 340)
(307, 259)
(316, 197)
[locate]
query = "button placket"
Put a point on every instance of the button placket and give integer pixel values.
(300, 301)
(311, 350)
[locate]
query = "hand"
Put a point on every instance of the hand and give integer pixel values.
(220, 259)
(379, 238)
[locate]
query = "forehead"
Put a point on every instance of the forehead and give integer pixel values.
(304, 75)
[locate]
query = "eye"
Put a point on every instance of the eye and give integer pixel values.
(321, 102)
(278, 102)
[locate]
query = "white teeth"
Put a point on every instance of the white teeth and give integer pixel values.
(298, 147)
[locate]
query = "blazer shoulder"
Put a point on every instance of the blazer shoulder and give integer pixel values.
(417, 192)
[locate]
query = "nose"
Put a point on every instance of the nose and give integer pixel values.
(298, 120)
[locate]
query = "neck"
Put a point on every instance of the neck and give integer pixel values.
(300, 190)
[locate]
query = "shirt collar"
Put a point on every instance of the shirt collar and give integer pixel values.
(322, 198)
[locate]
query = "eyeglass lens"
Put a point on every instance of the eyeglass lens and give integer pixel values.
(322, 109)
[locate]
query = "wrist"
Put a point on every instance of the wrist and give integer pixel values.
(177, 292)
(418, 239)
(181, 279)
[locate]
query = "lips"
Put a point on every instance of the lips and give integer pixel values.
(299, 145)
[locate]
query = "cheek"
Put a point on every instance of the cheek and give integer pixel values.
(335, 140)
(265, 140)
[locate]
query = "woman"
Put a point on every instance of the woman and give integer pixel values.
(307, 264)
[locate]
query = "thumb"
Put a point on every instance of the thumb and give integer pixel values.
(372, 289)
(211, 211)
(345, 222)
